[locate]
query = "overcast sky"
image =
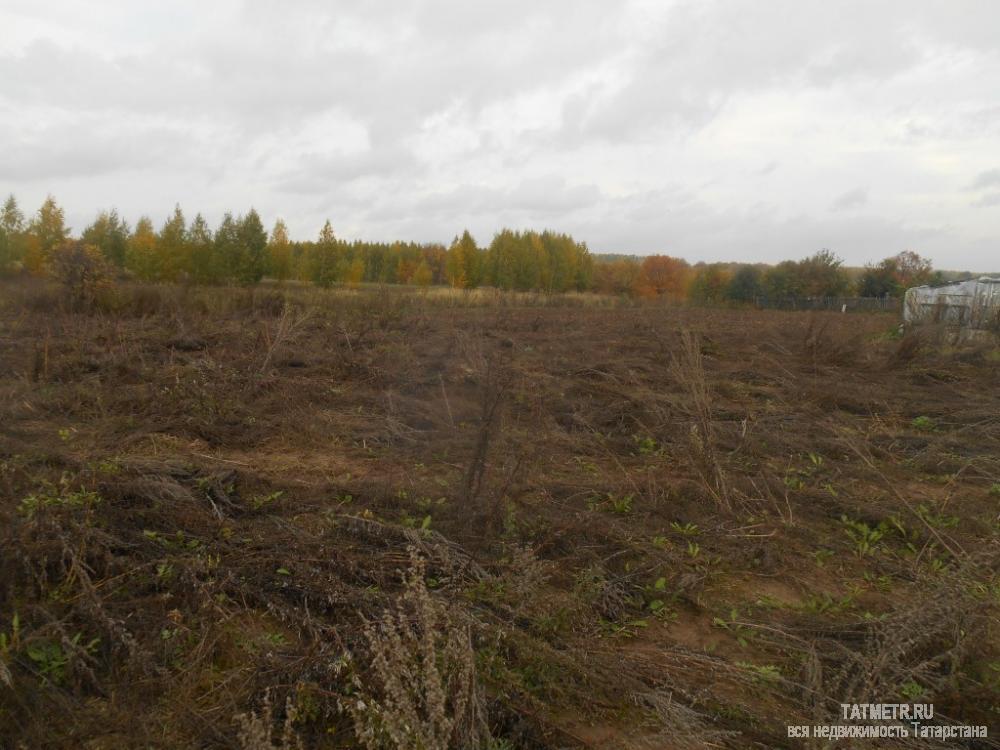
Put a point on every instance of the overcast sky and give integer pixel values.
(751, 131)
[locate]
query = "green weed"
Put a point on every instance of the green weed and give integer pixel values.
(687, 529)
(51, 659)
(741, 632)
(765, 673)
(80, 499)
(864, 537)
(262, 501)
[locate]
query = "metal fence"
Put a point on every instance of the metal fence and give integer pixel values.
(845, 304)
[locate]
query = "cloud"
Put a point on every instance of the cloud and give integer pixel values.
(82, 147)
(532, 200)
(988, 201)
(315, 173)
(989, 178)
(639, 126)
(850, 200)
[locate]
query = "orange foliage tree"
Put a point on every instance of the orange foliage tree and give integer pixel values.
(616, 276)
(662, 276)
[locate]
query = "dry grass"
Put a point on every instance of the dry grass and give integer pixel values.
(256, 730)
(688, 369)
(633, 535)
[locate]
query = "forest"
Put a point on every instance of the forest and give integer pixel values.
(241, 251)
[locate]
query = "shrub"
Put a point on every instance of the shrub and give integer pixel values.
(83, 272)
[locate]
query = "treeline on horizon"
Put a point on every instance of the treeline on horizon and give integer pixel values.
(241, 251)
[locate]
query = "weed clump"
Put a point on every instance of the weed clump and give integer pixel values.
(421, 691)
(256, 730)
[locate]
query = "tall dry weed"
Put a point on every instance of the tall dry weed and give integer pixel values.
(687, 367)
(256, 730)
(420, 692)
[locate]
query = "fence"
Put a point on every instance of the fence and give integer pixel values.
(849, 304)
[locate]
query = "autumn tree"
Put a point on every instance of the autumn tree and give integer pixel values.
(406, 264)
(662, 276)
(422, 276)
(435, 255)
(355, 272)
(323, 258)
(564, 263)
(584, 268)
(108, 233)
(464, 264)
(880, 280)
(252, 238)
(226, 248)
(11, 234)
(894, 275)
(279, 252)
(912, 269)
(528, 260)
(501, 258)
(619, 276)
(46, 231)
(782, 281)
(203, 261)
(822, 275)
(709, 282)
(11, 217)
(172, 247)
(142, 257)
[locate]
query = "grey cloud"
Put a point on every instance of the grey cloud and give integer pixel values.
(316, 173)
(989, 178)
(547, 197)
(988, 201)
(77, 149)
(851, 199)
(707, 52)
(638, 126)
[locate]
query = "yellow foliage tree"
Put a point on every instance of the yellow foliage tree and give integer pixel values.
(142, 258)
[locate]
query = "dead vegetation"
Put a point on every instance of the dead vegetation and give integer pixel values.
(280, 518)
(421, 690)
(689, 371)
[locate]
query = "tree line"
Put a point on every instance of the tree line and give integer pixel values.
(819, 275)
(241, 251)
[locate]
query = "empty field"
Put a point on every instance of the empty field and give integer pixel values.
(633, 525)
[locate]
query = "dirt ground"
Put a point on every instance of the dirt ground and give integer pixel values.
(660, 527)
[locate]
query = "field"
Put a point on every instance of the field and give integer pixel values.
(625, 525)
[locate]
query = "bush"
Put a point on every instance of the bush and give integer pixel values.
(83, 272)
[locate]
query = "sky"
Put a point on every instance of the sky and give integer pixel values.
(745, 130)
